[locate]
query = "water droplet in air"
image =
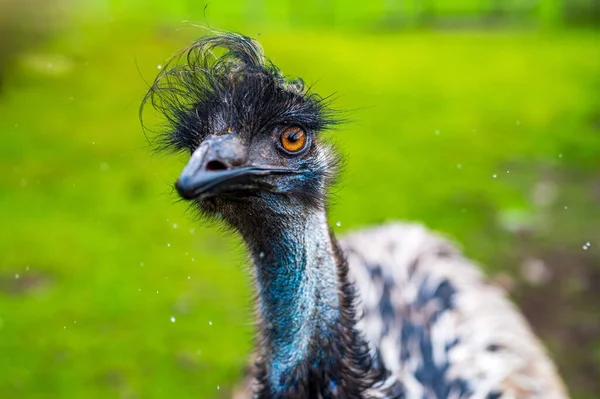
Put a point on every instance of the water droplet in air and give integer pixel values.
(586, 246)
(159, 66)
(218, 388)
(157, 291)
(168, 244)
(192, 230)
(174, 225)
(210, 323)
(172, 319)
(27, 268)
(338, 224)
(437, 132)
(261, 255)
(560, 155)
(17, 276)
(495, 176)
(458, 166)
(142, 264)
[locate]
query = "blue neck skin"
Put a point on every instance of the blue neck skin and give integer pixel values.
(297, 283)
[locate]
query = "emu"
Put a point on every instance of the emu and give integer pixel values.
(392, 311)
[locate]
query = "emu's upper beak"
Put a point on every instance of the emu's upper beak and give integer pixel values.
(217, 166)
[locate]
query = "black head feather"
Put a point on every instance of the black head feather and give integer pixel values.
(201, 93)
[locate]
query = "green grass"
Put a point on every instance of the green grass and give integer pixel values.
(106, 255)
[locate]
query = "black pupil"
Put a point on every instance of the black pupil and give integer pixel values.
(294, 136)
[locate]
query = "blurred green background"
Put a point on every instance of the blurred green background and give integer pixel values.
(479, 118)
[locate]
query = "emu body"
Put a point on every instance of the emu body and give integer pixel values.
(390, 312)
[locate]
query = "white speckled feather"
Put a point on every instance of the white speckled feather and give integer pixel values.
(409, 257)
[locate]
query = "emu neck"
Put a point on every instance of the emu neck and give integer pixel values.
(297, 282)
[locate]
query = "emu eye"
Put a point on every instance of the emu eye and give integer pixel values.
(293, 139)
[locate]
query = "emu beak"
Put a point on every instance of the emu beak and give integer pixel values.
(212, 170)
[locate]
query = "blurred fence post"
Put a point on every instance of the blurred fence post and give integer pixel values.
(424, 11)
(496, 9)
(551, 12)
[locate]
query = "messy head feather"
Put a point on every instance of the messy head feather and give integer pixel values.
(199, 93)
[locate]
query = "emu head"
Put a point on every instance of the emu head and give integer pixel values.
(253, 135)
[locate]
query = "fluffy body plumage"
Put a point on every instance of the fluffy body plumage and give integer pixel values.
(392, 312)
(437, 325)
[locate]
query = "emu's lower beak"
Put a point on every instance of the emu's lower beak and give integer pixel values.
(209, 172)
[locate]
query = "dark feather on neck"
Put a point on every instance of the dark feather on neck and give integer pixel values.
(338, 362)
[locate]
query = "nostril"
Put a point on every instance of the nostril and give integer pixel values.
(216, 165)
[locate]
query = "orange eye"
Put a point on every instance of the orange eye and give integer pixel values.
(293, 139)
